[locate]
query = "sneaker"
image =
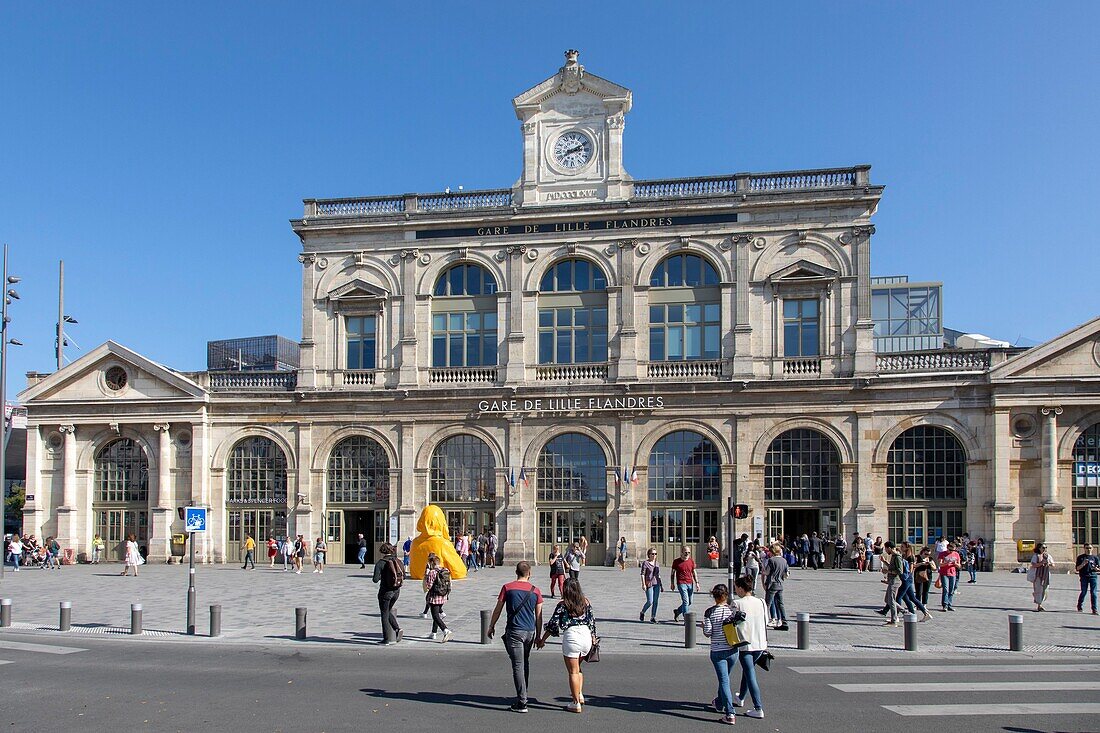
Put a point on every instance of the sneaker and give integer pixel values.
(388, 643)
(444, 614)
(423, 615)
(518, 707)
(400, 636)
(447, 636)
(729, 719)
(433, 636)
(714, 704)
(927, 617)
(653, 620)
(737, 701)
(316, 570)
(1080, 610)
(676, 615)
(783, 627)
(574, 707)
(880, 611)
(297, 572)
(641, 616)
(755, 713)
(952, 608)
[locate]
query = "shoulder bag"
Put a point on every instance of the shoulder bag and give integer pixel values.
(593, 655)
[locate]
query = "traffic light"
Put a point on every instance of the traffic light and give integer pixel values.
(179, 511)
(740, 511)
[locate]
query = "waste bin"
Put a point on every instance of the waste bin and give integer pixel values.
(179, 542)
(1024, 550)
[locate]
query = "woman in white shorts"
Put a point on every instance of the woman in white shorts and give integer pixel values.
(573, 621)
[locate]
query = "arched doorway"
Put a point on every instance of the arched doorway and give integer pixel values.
(802, 484)
(463, 484)
(1086, 489)
(685, 490)
(255, 494)
(926, 485)
(572, 495)
(358, 498)
(120, 501)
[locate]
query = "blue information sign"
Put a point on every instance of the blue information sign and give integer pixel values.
(194, 519)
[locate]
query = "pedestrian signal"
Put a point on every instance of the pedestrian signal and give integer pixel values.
(740, 511)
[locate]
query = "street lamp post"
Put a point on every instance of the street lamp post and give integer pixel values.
(62, 319)
(9, 295)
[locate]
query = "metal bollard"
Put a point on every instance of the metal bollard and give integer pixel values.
(689, 630)
(910, 632)
(5, 612)
(66, 621)
(803, 630)
(299, 623)
(486, 617)
(1015, 632)
(135, 618)
(215, 620)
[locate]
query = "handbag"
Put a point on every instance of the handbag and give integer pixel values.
(735, 630)
(939, 583)
(764, 661)
(593, 655)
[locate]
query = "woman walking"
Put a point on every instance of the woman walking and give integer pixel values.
(858, 554)
(15, 552)
(437, 587)
(972, 561)
(756, 624)
(133, 556)
(714, 551)
(272, 550)
(907, 594)
(722, 655)
(949, 576)
(557, 570)
(651, 586)
(299, 553)
(1039, 575)
(752, 563)
(620, 554)
(573, 620)
(582, 547)
(320, 551)
(97, 549)
(923, 567)
(573, 561)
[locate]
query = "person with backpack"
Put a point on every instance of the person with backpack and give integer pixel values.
(437, 588)
(908, 592)
(723, 656)
(389, 573)
(491, 549)
(523, 602)
(557, 570)
(475, 549)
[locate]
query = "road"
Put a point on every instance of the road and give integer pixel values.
(83, 683)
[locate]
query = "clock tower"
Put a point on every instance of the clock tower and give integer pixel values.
(572, 127)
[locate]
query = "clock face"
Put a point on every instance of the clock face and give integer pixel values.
(573, 150)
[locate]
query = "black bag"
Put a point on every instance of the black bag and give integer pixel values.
(394, 574)
(441, 586)
(764, 661)
(593, 655)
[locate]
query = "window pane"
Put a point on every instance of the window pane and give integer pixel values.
(599, 317)
(675, 266)
(790, 309)
(599, 280)
(676, 314)
(693, 275)
(564, 347)
(455, 278)
(656, 314)
(546, 318)
(657, 279)
(489, 320)
(711, 337)
(473, 321)
(809, 340)
(675, 342)
(565, 275)
(599, 345)
(455, 321)
(657, 344)
(565, 316)
(693, 313)
(791, 344)
(582, 275)
(473, 280)
(489, 349)
(473, 350)
(368, 354)
(710, 275)
(809, 308)
(546, 347)
(439, 322)
(547, 284)
(712, 312)
(439, 351)
(694, 345)
(581, 317)
(580, 352)
(354, 355)
(455, 356)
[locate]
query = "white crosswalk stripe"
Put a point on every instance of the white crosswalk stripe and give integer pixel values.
(22, 646)
(901, 682)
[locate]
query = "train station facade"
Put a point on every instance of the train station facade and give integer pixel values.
(582, 354)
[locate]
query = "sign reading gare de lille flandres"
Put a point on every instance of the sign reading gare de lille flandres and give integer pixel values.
(592, 225)
(570, 404)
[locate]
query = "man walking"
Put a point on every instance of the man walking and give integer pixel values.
(816, 548)
(1088, 568)
(406, 551)
(249, 552)
(840, 548)
(362, 552)
(685, 580)
(739, 554)
(774, 571)
(523, 603)
(892, 567)
(389, 573)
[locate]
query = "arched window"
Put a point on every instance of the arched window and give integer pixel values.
(358, 471)
(464, 318)
(573, 314)
(685, 315)
(121, 473)
(802, 465)
(256, 473)
(685, 466)
(1086, 464)
(572, 467)
(463, 469)
(926, 462)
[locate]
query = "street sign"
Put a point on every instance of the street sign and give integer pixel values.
(393, 530)
(194, 519)
(757, 526)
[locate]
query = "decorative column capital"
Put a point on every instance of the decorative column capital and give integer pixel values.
(162, 427)
(1051, 411)
(67, 429)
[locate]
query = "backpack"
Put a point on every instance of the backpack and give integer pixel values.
(441, 586)
(393, 574)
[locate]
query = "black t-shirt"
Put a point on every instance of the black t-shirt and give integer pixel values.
(1091, 568)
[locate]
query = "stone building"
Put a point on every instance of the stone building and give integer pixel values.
(582, 354)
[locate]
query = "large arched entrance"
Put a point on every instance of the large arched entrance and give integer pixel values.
(802, 484)
(685, 490)
(120, 502)
(1086, 489)
(463, 484)
(255, 494)
(926, 485)
(358, 497)
(571, 491)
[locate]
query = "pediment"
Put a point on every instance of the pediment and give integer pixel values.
(801, 272)
(85, 379)
(358, 290)
(1075, 353)
(572, 81)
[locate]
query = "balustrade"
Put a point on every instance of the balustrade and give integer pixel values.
(682, 369)
(801, 367)
(460, 375)
(933, 361)
(571, 372)
(253, 380)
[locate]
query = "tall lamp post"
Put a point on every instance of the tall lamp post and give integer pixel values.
(9, 295)
(62, 319)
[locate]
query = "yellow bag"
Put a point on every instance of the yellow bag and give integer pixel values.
(736, 634)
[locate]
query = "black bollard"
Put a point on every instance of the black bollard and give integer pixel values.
(135, 618)
(689, 630)
(486, 617)
(66, 620)
(5, 612)
(803, 630)
(910, 632)
(1015, 632)
(299, 623)
(215, 620)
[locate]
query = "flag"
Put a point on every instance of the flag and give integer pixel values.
(512, 479)
(634, 476)
(626, 474)
(523, 477)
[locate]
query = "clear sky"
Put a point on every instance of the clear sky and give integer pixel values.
(160, 148)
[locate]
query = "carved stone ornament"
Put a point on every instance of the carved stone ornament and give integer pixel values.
(726, 245)
(67, 429)
(864, 231)
(322, 263)
(759, 243)
(361, 259)
(307, 259)
(528, 126)
(425, 258)
(462, 253)
(1096, 352)
(1048, 411)
(628, 243)
(571, 74)
(616, 122)
(643, 248)
(571, 248)
(161, 427)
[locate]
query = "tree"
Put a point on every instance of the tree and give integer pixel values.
(13, 507)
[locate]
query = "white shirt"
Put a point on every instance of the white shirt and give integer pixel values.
(941, 546)
(756, 619)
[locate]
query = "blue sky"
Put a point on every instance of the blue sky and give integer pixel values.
(159, 149)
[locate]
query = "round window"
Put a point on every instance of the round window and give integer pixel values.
(116, 378)
(184, 439)
(55, 441)
(1023, 426)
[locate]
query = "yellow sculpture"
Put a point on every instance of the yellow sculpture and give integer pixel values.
(434, 537)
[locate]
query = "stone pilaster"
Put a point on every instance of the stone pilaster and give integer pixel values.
(515, 545)
(627, 363)
(1056, 532)
(408, 373)
(67, 514)
(160, 529)
(742, 329)
(1002, 546)
(865, 326)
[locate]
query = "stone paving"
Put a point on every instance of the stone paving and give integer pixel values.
(258, 607)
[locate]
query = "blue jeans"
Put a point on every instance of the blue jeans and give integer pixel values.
(947, 595)
(973, 570)
(723, 661)
(362, 556)
(1088, 585)
(652, 597)
(908, 596)
(748, 678)
(687, 590)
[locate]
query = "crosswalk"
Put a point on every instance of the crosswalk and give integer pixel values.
(28, 647)
(1023, 686)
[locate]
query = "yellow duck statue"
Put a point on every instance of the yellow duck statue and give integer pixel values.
(434, 537)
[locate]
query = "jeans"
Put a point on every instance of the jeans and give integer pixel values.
(653, 596)
(723, 661)
(687, 590)
(947, 595)
(518, 644)
(437, 617)
(14, 559)
(973, 570)
(891, 598)
(362, 556)
(559, 581)
(908, 596)
(748, 678)
(386, 601)
(920, 588)
(1088, 585)
(774, 599)
(249, 559)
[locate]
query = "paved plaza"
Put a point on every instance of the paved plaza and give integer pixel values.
(258, 608)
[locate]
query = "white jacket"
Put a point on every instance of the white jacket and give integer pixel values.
(756, 621)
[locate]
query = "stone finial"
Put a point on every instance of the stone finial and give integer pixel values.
(571, 57)
(572, 73)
